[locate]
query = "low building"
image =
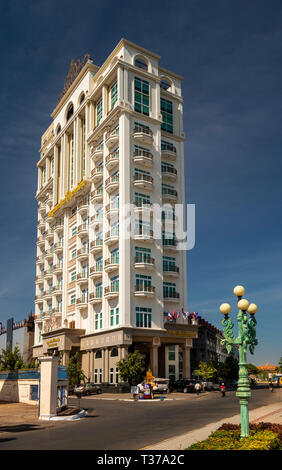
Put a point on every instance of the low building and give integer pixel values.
(21, 335)
(207, 346)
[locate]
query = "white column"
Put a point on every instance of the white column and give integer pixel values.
(120, 83)
(48, 387)
(124, 240)
(55, 184)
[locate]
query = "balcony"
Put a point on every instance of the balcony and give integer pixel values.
(112, 183)
(39, 299)
(59, 228)
(169, 172)
(56, 312)
(97, 174)
(169, 244)
(169, 152)
(97, 195)
(96, 297)
(48, 294)
(142, 157)
(113, 138)
(50, 235)
(41, 225)
(111, 209)
(111, 264)
(82, 304)
(169, 195)
(142, 181)
(111, 237)
(143, 290)
(171, 270)
(171, 296)
(49, 254)
(58, 247)
(82, 230)
(96, 245)
(144, 235)
(49, 274)
(144, 262)
(83, 209)
(112, 291)
(40, 242)
(143, 135)
(58, 269)
(82, 254)
(57, 290)
(82, 278)
(97, 153)
(39, 279)
(112, 160)
(94, 273)
(142, 207)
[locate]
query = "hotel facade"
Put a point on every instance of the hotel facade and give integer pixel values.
(105, 281)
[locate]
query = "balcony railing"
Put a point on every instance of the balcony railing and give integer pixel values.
(143, 259)
(145, 288)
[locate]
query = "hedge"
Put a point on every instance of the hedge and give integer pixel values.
(263, 436)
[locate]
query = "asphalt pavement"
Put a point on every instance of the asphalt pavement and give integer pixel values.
(118, 423)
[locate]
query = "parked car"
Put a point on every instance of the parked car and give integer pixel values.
(88, 388)
(184, 385)
(160, 385)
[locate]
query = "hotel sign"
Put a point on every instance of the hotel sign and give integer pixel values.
(68, 196)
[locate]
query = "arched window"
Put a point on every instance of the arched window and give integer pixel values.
(98, 354)
(165, 84)
(114, 352)
(141, 63)
(70, 112)
(58, 129)
(82, 98)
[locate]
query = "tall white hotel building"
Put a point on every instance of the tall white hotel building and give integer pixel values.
(116, 139)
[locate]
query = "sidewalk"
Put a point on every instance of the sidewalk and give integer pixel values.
(267, 414)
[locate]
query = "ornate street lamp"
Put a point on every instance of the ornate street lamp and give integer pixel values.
(246, 337)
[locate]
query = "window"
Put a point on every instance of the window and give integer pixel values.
(111, 375)
(114, 94)
(168, 263)
(73, 231)
(171, 353)
(73, 299)
(171, 372)
(114, 352)
(98, 321)
(114, 316)
(115, 284)
(167, 114)
(99, 263)
(140, 63)
(142, 255)
(99, 290)
(141, 96)
(71, 143)
(169, 289)
(115, 256)
(95, 376)
(99, 111)
(73, 254)
(143, 317)
(83, 149)
(82, 98)
(98, 354)
(165, 84)
(143, 282)
(73, 276)
(70, 112)
(141, 199)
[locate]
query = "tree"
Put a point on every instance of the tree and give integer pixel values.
(74, 370)
(279, 368)
(11, 360)
(132, 368)
(252, 369)
(205, 370)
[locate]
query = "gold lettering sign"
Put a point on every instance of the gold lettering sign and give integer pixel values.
(53, 342)
(68, 195)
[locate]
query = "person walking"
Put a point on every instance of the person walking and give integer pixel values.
(197, 388)
(222, 389)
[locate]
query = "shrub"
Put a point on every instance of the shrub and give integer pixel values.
(228, 438)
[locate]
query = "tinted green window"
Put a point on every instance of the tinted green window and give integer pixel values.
(167, 114)
(141, 96)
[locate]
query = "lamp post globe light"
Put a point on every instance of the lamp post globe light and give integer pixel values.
(246, 337)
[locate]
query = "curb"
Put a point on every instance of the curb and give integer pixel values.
(78, 416)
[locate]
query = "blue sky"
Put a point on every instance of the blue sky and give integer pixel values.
(230, 56)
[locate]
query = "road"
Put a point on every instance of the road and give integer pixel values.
(122, 425)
